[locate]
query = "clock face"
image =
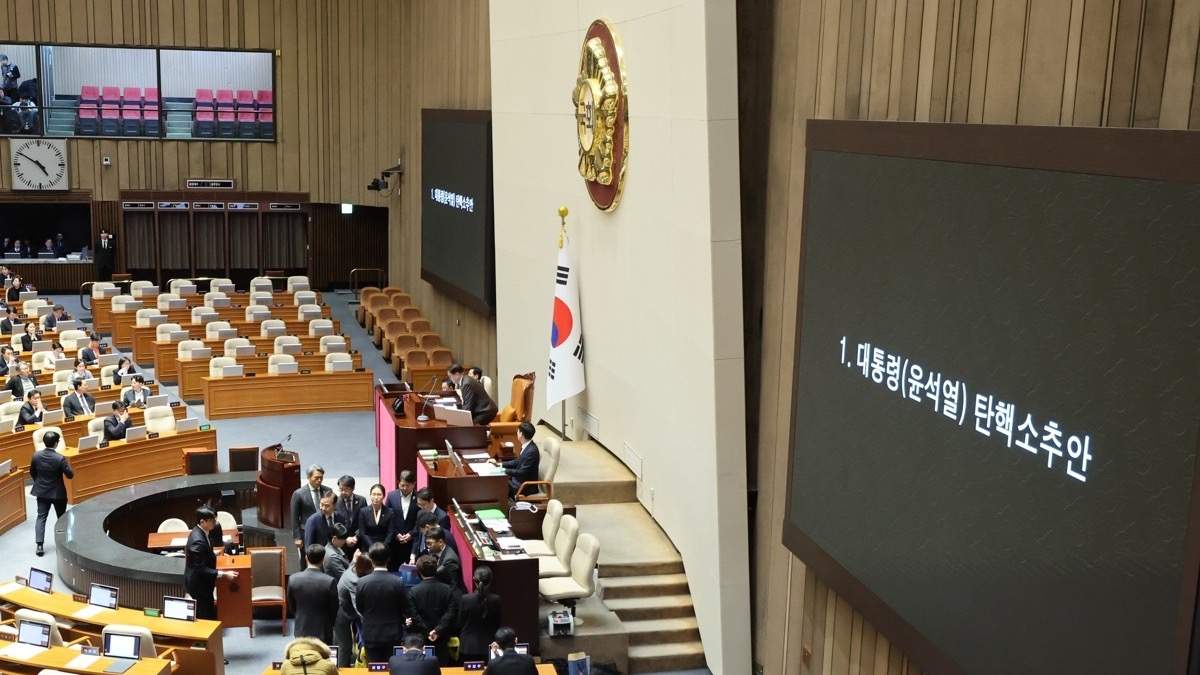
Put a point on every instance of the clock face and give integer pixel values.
(38, 164)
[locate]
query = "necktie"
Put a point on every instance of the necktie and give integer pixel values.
(329, 521)
(83, 404)
(316, 500)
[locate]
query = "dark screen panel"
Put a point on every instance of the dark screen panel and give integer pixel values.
(456, 214)
(1075, 299)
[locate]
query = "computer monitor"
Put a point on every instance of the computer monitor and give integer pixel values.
(40, 580)
(182, 609)
(135, 433)
(521, 647)
(89, 442)
(122, 646)
(103, 596)
(33, 633)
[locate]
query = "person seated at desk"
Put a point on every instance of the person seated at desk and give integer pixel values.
(59, 313)
(80, 371)
(434, 605)
(376, 522)
(91, 353)
(79, 402)
(524, 467)
(412, 661)
(60, 246)
(474, 397)
(48, 247)
(14, 289)
(32, 411)
(506, 660)
(117, 423)
(449, 567)
(10, 322)
(137, 394)
(319, 526)
(22, 382)
(19, 248)
(31, 335)
(57, 350)
(124, 367)
(8, 361)
(479, 616)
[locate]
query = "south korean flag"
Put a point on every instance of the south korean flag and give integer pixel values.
(565, 370)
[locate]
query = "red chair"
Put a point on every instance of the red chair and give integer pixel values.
(245, 99)
(266, 123)
(205, 124)
(150, 120)
(131, 120)
(110, 119)
(151, 95)
(87, 121)
(224, 98)
(264, 98)
(204, 98)
(132, 95)
(247, 125)
(89, 93)
(226, 124)
(110, 95)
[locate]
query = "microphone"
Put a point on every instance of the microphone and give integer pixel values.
(422, 417)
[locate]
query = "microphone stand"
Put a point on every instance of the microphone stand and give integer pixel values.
(422, 417)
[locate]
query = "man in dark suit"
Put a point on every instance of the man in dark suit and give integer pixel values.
(319, 526)
(8, 361)
(137, 394)
(426, 502)
(47, 469)
(312, 595)
(200, 565)
(449, 568)
(509, 662)
(525, 466)
(434, 606)
(91, 353)
(348, 505)
(403, 503)
(32, 411)
(106, 255)
(59, 313)
(22, 382)
(116, 424)
(306, 500)
(7, 326)
(474, 397)
(383, 603)
(413, 661)
(79, 402)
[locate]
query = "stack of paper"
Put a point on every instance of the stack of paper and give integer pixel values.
(179, 541)
(21, 651)
(510, 544)
(499, 526)
(82, 662)
(10, 587)
(88, 612)
(472, 456)
(486, 469)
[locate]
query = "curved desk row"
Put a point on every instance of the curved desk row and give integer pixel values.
(17, 446)
(124, 323)
(287, 394)
(125, 463)
(143, 337)
(166, 353)
(102, 307)
(69, 660)
(191, 374)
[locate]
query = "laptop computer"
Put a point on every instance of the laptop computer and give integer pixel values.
(40, 580)
(124, 649)
(69, 324)
(243, 350)
(103, 596)
(152, 401)
(321, 331)
(53, 416)
(178, 335)
(288, 349)
(309, 314)
(180, 609)
(89, 442)
(135, 433)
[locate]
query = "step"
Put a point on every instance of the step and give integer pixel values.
(657, 607)
(666, 657)
(643, 586)
(662, 631)
(638, 569)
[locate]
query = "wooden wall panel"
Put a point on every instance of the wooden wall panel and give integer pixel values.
(343, 242)
(1069, 62)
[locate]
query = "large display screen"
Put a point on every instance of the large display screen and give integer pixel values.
(997, 407)
(457, 250)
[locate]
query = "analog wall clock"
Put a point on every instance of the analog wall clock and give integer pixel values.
(601, 105)
(38, 163)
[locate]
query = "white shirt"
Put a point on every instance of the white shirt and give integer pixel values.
(404, 502)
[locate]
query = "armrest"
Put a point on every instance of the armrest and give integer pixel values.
(544, 492)
(85, 640)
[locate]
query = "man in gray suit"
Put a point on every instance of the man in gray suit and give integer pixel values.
(312, 595)
(80, 402)
(306, 500)
(47, 469)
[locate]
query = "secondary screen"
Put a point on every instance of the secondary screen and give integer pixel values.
(179, 608)
(996, 405)
(121, 646)
(33, 633)
(103, 596)
(40, 580)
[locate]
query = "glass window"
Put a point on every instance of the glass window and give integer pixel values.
(100, 91)
(21, 100)
(223, 94)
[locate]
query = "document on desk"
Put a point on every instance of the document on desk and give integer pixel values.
(88, 612)
(476, 456)
(21, 651)
(81, 662)
(10, 587)
(178, 541)
(510, 544)
(486, 469)
(498, 526)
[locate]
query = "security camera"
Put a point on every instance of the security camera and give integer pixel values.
(106, 161)
(377, 185)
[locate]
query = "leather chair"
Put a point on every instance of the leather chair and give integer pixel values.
(274, 360)
(73, 339)
(271, 327)
(550, 522)
(295, 282)
(100, 288)
(413, 358)
(410, 314)
(401, 300)
(211, 329)
(542, 489)
(232, 344)
(183, 350)
(227, 522)
(386, 314)
(332, 343)
(317, 325)
(107, 373)
(43, 361)
(581, 583)
(429, 341)
(177, 284)
(262, 298)
(142, 318)
(559, 564)
(261, 284)
(119, 303)
(257, 313)
(164, 301)
(9, 412)
(374, 304)
(203, 315)
(159, 419)
(173, 525)
(308, 311)
(212, 296)
(286, 344)
(61, 379)
(30, 307)
(440, 357)
(142, 289)
(399, 343)
(519, 409)
(220, 284)
(304, 298)
(39, 433)
(95, 426)
(146, 649)
(162, 332)
(391, 330)
(420, 326)
(335, 357)
(364, 295)
(217, 364)
(268, 582)
(198, 461)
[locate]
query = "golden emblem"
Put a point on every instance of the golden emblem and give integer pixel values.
(601, 105)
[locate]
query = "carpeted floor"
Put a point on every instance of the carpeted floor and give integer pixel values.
(342, 443)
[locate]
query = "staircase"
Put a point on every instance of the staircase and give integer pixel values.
(656, 609)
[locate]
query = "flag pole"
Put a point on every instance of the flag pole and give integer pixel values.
(562, 241)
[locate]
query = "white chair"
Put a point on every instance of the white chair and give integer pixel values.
(26, 614)
(184, 351)
(165, 299)
(221, 284)
(107, 373)
(210, 296)
(146, 648)
(163, 331)
(73, 339)
(316, 325)
(100, 287)
(95, 426)
(284, 341)
(489, 386)
(138, 289)
(262, 298)
(542, 489)
(62, 379)
(274, 360)
(177, 284)
(119, 303)
(335, 357)
(43, 361)
(266, 327)
(159, 419)
(30, 307)
(581, 583)
(232, 344)
(217, 364)
(227, 522)
(142, 318)
(39, 433)
(15, 341)
(261, 284)
(558, 565)
(304, 298)
(257, 313)
(173, 525)
(294, 281)
(307, 310)
(550, 523)
(332, 343)
(213, 328)
(203, 315)
(9, 412)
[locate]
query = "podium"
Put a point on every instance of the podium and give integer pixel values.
(233, 595)
(277, 480)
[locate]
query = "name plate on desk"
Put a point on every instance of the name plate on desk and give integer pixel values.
(153, 434)
(103, 444)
